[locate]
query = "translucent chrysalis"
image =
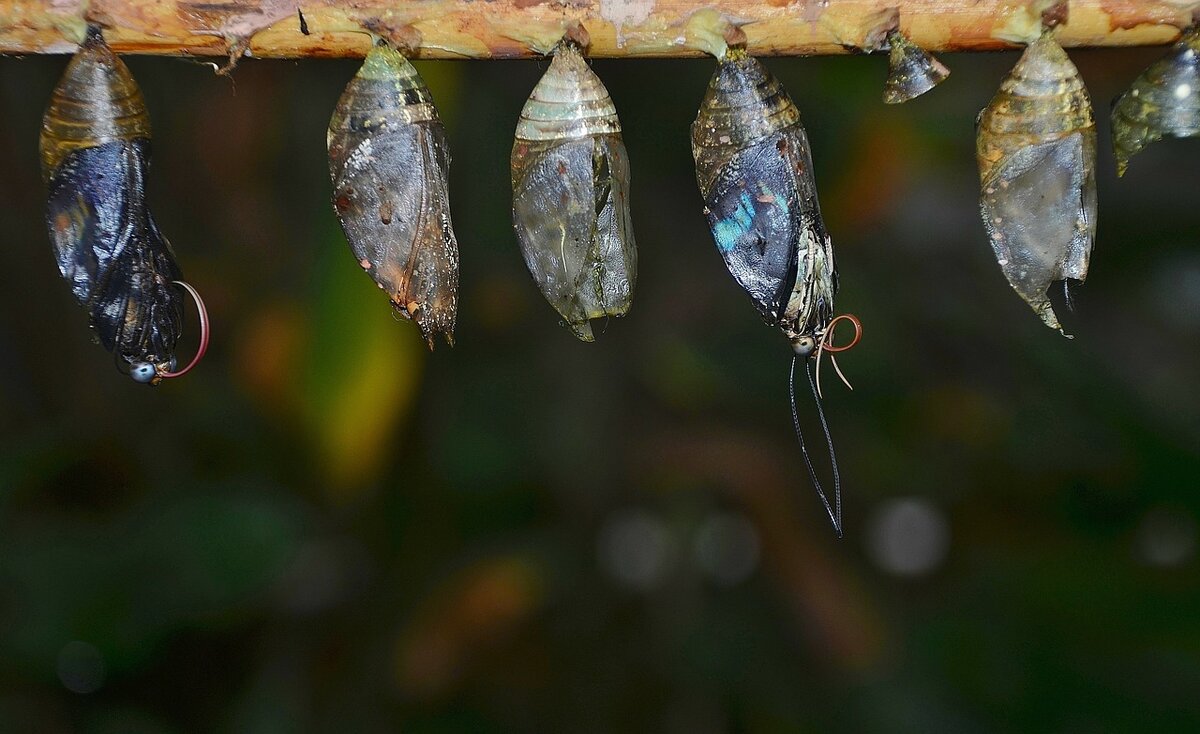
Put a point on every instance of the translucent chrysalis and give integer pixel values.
(570, 181)
(1036, 146)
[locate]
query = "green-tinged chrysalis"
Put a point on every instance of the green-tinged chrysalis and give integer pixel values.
(912, 71)
(570, 181)
(1036, 146)
(1163, 102)
(389, 163)
(754, 170)
(95, 149)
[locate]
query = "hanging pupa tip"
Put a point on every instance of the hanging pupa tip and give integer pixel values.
(735, 37)
(1056, 14)
(575, 33)
(405, 39)
(912, 71)
(707, 30)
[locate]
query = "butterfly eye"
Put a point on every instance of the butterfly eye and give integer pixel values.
(142, 372)
(804, 346)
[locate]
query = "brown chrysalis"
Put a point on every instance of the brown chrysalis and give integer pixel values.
(389, 163)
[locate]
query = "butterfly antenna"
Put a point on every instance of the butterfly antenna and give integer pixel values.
(834, 511)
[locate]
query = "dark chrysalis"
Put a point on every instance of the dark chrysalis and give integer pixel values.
(912, 71)
(570, 180)
(95, 148)
(1036, 145)
(389, 163)
(754, 170)
(1163, 102)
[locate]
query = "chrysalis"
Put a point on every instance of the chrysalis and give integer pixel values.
(754, 170)
(1036, 147)
(1163, 102)
(95, 148)
(570, 180)
(389, 162)
(912, 71)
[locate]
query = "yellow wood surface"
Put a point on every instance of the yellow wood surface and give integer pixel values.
(518, 28)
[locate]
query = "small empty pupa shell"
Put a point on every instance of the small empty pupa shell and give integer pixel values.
(1036, 145)
(912, 71)
(389, 163)
(570, 180)
(754, 170)
(95, 149)
(1163, 102)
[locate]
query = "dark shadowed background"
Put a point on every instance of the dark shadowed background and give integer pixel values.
(326, 528)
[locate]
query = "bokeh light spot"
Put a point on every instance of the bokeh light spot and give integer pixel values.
(908, 537)
(635, 549)
(727, 548)
(1166, 537)
(81, 667)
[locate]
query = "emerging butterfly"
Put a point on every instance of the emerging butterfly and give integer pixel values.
(754, 170)
(95, 148)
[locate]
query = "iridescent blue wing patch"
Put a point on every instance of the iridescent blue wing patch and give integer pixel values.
(755, 222)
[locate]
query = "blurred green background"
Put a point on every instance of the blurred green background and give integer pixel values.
(326, 528)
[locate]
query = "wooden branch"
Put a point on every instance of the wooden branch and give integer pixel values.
(522, 28)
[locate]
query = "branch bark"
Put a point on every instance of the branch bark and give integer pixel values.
(522, 28)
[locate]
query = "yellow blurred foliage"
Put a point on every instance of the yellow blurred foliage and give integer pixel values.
(354, 421)
(347, 371)
(361, 372)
